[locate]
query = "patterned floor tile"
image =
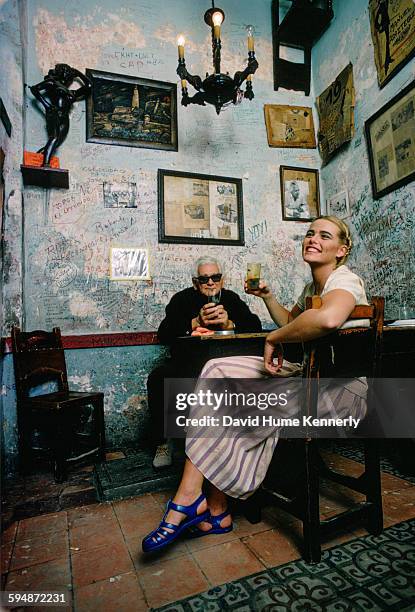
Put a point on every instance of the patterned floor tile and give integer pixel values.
(372, 573)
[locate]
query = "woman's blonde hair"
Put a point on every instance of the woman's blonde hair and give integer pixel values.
(344, 235)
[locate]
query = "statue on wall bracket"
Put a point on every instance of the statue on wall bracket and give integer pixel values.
(54, 95)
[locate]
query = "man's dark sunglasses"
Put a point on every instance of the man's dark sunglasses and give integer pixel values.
(203, 280)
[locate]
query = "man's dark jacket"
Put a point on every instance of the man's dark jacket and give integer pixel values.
(185, 306)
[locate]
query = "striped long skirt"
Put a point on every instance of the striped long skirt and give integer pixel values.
(236, 459)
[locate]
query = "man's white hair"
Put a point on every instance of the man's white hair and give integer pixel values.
(206, 260)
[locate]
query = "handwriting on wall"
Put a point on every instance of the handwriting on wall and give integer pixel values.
(67, 249)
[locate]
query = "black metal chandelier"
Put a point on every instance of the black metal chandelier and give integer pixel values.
(217, 88)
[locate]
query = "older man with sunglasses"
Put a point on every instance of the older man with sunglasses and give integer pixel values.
(207, 304)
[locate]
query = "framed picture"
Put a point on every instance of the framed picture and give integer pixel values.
(338, 205)
(300, 197)
(392, 26)
(335, 108)
(120, 194)
(199, 208)
(131, 111)
(390, 136)
(5, 119)
(129, 263)
(289, 126)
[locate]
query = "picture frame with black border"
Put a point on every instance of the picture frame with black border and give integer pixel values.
(131, 111)
(390, 139)
(200, 208)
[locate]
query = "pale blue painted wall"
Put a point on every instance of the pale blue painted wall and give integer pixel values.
(120, 373)
(383, 230)
(11, 298)
(101, 36)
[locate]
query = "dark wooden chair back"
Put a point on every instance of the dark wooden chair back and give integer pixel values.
(358, 347)
(346, 353)
(38, 358)
(356, 353)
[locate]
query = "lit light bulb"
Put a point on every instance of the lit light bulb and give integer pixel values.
(180, 44)
(250, 32)
(217, 18)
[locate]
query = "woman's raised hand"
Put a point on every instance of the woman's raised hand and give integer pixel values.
(272, 351)
(263, 290)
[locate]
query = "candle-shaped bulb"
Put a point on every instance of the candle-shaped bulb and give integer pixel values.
(217, 19)
(180, 44)
(249, 78)
(250, 32)
(184, 83)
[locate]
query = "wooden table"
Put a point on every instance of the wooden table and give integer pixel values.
(398, 353)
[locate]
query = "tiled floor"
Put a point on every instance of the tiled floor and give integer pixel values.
(95, 551)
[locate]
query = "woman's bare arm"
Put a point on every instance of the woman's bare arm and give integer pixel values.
(279, 314)
(311, 324)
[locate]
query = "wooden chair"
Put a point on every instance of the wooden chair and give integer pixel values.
(357, 353)
(39, 359)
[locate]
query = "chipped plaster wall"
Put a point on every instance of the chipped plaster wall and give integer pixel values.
(69, 233)
(383, 230)
(11, 88)
(11, 298)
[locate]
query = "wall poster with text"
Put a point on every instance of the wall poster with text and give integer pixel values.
(392, 24)
(335, 108)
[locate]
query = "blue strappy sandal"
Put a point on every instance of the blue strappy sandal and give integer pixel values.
(160, 537)
(194, 532)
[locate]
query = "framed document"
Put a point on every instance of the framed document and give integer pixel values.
(392, 26)
(129, 263)
(390, 135)
(289, 126)
(336, 114)
(338, 205)
(199, 208)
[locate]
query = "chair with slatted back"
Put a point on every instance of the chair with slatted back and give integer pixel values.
(39, 364)
(357, 352)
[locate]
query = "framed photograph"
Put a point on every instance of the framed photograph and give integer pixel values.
(120, 195)
(200, 208)
(300, 196)
(5, 119)
(338, 205)
(390, 136)
(392, 26)
(129, 263)
(335, 108)
(290, 126)
(131, 111)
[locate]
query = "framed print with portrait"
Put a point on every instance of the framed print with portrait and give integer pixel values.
(131, 111)
(390, 136)
(129, 263)
(300, 198)
(200, 208)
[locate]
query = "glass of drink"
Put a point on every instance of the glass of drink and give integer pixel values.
(253, 275)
